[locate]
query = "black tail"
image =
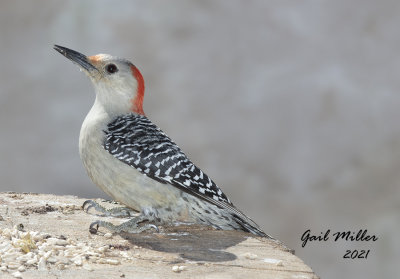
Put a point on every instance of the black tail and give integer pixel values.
(250, 226)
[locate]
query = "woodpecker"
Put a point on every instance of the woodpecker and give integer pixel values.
(137, 164)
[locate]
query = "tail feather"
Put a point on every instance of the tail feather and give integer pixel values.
(250, 226)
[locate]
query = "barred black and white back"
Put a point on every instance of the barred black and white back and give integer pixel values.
(136, 141)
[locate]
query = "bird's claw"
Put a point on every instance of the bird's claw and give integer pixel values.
(91, 204)
(119, 212)
(154, 227)
(92, 228)
(129, 227)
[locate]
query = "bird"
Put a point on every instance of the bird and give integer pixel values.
(133, 161)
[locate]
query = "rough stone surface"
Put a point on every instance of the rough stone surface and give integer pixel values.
(51, 224)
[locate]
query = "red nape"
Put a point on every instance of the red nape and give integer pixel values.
(137, 101)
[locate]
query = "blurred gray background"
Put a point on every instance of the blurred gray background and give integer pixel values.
(292, 107)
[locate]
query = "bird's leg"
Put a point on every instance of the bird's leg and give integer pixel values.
(131, 226)
(120, 212)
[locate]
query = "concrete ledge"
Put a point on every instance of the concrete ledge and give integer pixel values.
(47, 236)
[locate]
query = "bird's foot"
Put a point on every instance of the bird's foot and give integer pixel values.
(131, 226)
(120, 212)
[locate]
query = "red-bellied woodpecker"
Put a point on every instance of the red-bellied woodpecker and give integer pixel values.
(136, 163)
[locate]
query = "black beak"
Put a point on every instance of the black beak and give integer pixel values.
(76, 57)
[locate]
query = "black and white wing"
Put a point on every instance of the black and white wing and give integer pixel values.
(136, 141)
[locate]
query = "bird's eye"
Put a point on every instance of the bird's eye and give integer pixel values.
(111, 68)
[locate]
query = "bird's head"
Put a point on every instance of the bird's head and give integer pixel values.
(119, 85)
